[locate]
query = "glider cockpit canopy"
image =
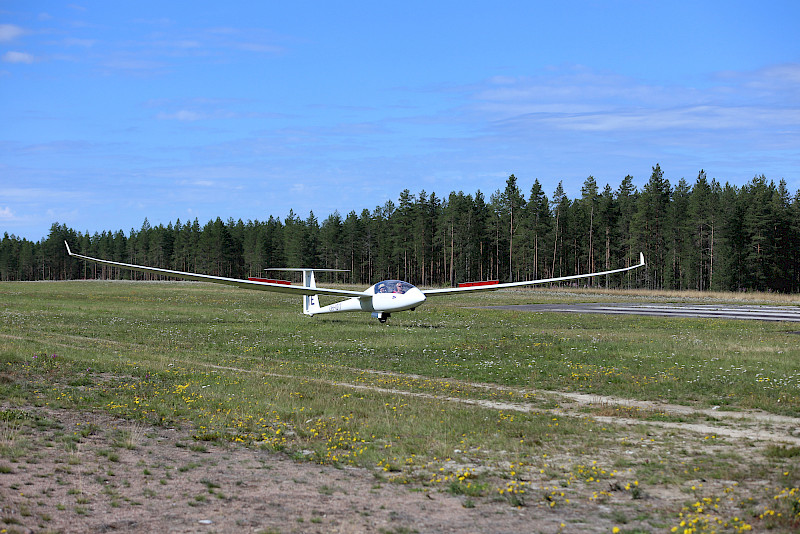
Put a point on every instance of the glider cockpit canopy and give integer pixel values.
(391, 286)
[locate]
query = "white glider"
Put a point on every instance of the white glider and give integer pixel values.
(381, 299)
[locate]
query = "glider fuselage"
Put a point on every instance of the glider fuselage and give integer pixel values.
(380, 299)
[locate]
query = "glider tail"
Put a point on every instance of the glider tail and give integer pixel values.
(310, 302)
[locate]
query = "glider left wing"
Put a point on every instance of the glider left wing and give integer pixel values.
(494, 287)
(247, 284)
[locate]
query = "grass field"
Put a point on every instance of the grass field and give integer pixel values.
(472, 403)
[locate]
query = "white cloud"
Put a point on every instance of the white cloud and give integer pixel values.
(579, 100)
(182, 115)
(9, 32)
(85, 43)
(780, 79)
(28, 195)
(298, 189)
(6, 214)
(133, 65)
(18, 57)
(198, 183)
(701, 118)
(259, 47)
(190, 116)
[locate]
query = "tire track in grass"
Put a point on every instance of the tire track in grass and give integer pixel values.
(753, 425)
(747, 425)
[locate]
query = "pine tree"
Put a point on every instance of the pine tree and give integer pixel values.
(681, 257)
(537, 222)
(560, 208)
(652, 225)
(588, 226)
(608, 215)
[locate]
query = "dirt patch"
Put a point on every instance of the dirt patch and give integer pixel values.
(71, 471)
(74, 472)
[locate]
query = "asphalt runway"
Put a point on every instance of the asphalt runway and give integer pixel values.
(715, 311)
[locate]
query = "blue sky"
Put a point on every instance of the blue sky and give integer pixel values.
(111, 112)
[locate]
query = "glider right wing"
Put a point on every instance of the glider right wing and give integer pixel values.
(494, 287)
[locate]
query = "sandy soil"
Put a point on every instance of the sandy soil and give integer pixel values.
(67, 471)
(160, 480)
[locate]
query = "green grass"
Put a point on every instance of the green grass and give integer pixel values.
(247, 367)
(741, 364)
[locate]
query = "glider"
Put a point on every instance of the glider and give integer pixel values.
(381, 299)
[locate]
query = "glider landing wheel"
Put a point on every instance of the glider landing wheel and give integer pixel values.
(382, 317)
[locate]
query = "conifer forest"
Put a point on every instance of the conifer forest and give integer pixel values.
(700, 236)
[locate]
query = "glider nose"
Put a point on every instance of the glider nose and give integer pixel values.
(416, 296)
(394, 302)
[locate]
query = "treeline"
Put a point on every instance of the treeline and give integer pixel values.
(694, 236)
